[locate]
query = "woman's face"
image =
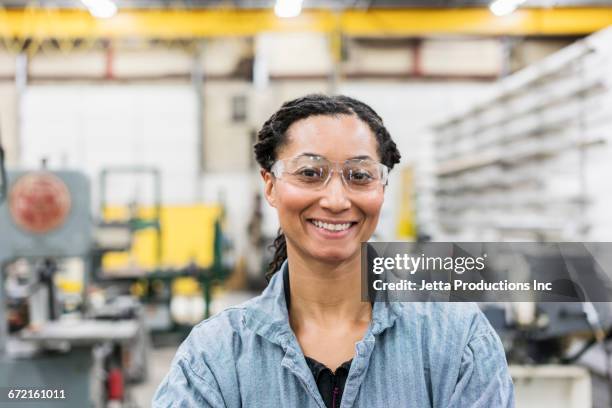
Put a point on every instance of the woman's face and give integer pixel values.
(336, 138)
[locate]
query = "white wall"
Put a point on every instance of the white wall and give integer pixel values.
(220, 56)
(8, 107)
(361, 58)
(91, 63)
(8, 121)
(462, 57)
(90, 127)
(294, 53)
(227, 144)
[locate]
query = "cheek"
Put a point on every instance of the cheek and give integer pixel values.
(372, 203)
(290, 200)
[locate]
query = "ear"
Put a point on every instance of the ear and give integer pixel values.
(269, 191)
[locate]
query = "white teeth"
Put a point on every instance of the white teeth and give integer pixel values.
(331, 227)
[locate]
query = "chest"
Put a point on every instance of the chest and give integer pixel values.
(381, 376)
(330, 346)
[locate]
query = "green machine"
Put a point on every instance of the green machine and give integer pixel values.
(44, 220)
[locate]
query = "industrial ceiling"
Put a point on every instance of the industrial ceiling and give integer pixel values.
(342, 4)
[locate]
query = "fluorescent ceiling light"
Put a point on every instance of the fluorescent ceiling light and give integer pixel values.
(288, 8)
(504, 7)
(100, 8)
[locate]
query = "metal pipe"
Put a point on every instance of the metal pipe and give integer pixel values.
(3, 316)
(197, 81)
(3, 180)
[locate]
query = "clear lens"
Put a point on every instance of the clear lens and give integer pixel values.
(362, 174)
(313, 172)
(307, 170)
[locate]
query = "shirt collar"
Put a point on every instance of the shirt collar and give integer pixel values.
(268, 316)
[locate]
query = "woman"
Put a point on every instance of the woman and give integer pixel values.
(309, 340)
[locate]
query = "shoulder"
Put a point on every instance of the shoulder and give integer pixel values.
(463, 320)
(200, 373)
(216, 337)
(455, 340)
(462, 312)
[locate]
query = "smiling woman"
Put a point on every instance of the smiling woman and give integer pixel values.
(308, 340)
(307, 133)
(325, 218)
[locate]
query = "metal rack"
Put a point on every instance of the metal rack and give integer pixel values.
(527, 161)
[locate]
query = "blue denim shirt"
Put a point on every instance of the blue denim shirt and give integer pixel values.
(412, 355)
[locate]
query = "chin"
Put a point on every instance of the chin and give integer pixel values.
(333, 256)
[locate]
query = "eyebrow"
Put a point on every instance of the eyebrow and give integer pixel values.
(309, 155)
(361, 157)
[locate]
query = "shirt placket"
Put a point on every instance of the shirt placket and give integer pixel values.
(298, 367)
(359, 367)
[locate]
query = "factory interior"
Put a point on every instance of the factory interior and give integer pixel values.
(132, 206)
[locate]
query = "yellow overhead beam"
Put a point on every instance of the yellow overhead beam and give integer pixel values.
(557, 21)
(168, 24)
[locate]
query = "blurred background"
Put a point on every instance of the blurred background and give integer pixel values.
(130, 200)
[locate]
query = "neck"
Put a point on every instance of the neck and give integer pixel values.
(326, 293)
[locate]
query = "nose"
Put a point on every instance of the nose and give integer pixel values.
(335, 197)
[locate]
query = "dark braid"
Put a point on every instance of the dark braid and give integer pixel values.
(273, 135)
(280, 254)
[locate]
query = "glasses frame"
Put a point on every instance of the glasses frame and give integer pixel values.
(278, 169)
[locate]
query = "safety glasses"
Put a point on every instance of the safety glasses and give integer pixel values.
(312, 172)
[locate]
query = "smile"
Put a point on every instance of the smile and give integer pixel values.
(331, 226)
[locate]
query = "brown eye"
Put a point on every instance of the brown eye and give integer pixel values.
(309, 174)
(360, 176)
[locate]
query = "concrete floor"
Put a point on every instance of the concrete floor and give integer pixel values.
(159, 364)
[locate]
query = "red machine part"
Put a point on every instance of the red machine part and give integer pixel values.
(39, 202)
(115, 385)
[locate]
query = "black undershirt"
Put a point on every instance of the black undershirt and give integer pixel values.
(330, 384)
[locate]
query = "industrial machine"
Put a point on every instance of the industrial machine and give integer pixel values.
(558, 344)
(175, 289)
(51, 340)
